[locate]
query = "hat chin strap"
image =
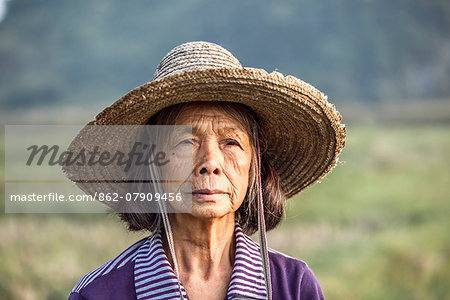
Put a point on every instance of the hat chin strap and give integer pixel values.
(166, 223)
(169, 236)
(261, 229)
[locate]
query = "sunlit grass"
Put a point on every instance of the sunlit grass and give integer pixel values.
(44, 256)
(377, 227)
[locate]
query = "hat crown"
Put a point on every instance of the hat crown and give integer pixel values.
(195, 56)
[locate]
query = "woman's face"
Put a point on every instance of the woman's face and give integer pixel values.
(221, 157)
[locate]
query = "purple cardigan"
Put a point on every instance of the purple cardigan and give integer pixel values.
(143, 272)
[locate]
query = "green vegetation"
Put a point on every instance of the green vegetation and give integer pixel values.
(375, 228)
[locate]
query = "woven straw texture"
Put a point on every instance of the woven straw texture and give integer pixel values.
(304, 132)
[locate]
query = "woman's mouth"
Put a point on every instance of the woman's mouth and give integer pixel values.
(207, 194)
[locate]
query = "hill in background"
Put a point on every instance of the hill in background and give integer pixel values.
(85, 52)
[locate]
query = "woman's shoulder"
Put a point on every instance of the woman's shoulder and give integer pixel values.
(284, 259)
(292, 278)
(110, 279)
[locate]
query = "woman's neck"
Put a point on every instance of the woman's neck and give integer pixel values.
(204, 247)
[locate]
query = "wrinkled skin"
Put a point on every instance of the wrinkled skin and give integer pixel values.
(221, 156)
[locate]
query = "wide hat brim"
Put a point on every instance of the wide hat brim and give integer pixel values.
(303, 131)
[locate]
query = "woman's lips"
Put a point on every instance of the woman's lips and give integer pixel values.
(206, 194)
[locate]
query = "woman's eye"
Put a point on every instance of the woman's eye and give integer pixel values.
(232, 143)
(187, 141)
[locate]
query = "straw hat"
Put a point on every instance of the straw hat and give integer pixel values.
(304, 132)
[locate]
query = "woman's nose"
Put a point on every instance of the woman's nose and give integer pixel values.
(210, 160)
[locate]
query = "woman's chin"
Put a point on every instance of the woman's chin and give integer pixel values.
(208, 211)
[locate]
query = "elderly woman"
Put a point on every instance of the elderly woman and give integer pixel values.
(256, 140)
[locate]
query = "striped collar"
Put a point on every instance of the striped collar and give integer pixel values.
(155, 279)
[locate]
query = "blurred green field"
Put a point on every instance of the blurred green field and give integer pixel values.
(377, 227)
